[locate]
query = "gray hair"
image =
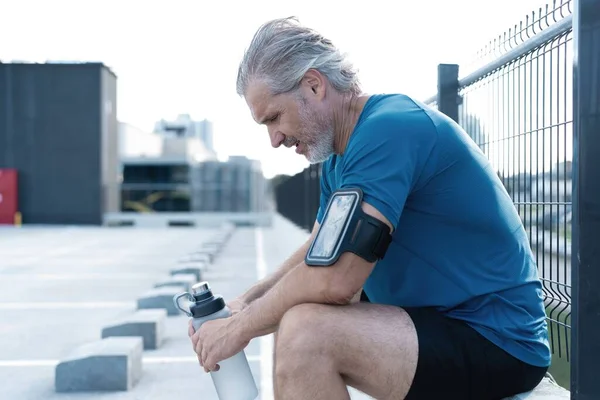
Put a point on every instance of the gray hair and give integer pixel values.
(282, 51)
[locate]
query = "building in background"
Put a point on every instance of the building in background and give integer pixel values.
(135, 142)
(156, 167)
(75, 163)
(185, 127)
(171, 170)
(171, 184)
(59, 131)
(236, 185)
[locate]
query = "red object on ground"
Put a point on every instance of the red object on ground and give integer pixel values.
(8, 196)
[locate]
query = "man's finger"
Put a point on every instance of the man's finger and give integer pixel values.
(195, 339)
(198, 349)
(191, 330)
(209, 364)
(204, 356)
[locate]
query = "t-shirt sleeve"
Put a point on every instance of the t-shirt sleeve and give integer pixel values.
(325, 193)
(386, 159)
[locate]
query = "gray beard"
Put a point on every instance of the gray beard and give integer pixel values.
(321, 131)
(322, 149)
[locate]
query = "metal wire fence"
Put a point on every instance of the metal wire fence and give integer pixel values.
(518, 108)
(297, 197)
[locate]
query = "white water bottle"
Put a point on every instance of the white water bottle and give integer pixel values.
(233, 380)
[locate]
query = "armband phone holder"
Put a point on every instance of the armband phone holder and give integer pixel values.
(347, 228)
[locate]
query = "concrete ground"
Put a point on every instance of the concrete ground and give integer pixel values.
(59, 286)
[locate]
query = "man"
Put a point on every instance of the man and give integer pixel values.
(452, 307)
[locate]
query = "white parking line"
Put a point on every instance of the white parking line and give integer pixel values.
(63, 305)
(32, 276)
(28, 363)
(266, 342)
(145, 360)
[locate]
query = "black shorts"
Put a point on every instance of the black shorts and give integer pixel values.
(456, 362)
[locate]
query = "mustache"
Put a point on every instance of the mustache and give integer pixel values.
(290, 141)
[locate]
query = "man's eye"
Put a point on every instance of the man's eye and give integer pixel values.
(275, 118)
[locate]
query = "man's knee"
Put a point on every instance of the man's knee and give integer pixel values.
(300, 339)
(302, 332)
(299, 328)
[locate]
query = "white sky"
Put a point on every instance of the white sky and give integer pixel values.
(182, 56)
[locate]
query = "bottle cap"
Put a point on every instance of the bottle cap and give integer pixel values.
(200, 287)
(206, 303)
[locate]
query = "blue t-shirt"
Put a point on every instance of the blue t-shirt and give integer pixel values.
(458, 242)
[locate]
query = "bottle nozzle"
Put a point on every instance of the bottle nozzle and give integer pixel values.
(200, 288)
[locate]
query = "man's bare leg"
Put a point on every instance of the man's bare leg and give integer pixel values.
(275, 393)
(322, 348)
(355, 299)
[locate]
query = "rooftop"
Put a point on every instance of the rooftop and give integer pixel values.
(59, 286)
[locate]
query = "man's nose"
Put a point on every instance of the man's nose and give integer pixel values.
(276, 138)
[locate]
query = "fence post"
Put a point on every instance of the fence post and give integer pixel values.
(585, 261)
(447, 92)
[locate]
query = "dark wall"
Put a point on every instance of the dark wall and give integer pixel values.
(52, 123)
(297, 198)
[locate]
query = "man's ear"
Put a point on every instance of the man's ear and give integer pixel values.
(314, 84)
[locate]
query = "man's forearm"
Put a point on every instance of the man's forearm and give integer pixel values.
(339, 284)
(301, 285)
(263, 286)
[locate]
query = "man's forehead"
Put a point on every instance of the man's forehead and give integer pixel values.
(259, 100)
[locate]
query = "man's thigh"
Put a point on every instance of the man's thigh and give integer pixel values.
(373, 347)
(456, 362)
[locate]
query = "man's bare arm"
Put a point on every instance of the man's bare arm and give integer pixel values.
(263, 286)
(338, 284)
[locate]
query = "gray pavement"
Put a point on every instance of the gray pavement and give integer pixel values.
(59, 286)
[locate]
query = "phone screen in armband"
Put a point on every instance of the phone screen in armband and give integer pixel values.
(325, 248)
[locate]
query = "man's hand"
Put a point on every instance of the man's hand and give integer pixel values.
(236, 305)
(216, 341)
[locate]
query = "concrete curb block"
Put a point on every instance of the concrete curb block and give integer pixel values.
(211, 248)
(112, 364)
(147, 324)
(199, 256)
(160, 298)
(185, 281)
(191, 269)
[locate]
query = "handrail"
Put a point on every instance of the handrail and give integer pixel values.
(524, 48)
(544, 36)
